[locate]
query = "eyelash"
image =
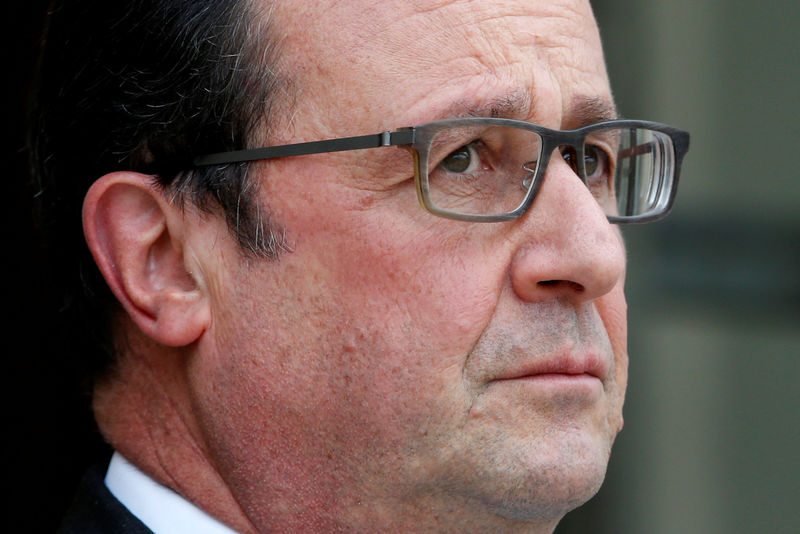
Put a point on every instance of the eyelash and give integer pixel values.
(476, 148)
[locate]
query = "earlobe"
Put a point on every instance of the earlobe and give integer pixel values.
(137, 239)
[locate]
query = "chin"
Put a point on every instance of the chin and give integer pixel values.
(546, 478)
(551, 495)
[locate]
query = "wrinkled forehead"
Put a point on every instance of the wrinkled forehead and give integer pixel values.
(422, 60)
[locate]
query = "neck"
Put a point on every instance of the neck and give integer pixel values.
(143, 410)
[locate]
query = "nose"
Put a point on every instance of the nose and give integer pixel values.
(568, 249)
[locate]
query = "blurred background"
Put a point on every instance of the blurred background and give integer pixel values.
(712, 436)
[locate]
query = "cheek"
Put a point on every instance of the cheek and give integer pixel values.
(395, 277)
(397, 309)
(613, 311)
(362, 331)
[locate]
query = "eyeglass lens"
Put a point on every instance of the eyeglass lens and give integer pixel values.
(489, 169)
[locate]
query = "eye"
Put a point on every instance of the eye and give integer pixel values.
(463, 160)
(596, 161)
(568, 153)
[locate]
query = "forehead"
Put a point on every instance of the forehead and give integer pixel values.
(393, 64)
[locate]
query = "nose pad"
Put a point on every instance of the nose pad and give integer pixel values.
(527, 180)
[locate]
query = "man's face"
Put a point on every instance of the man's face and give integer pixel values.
(395, 365)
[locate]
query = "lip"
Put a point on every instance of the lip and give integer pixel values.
(565, 366)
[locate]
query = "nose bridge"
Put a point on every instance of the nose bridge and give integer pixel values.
(571, 138)
(569, 249)
(564, 197)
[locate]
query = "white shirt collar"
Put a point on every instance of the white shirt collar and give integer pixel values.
(162, 510)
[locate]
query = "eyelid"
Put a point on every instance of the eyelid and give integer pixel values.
(601, 137)
(604, 144)
(449, 140)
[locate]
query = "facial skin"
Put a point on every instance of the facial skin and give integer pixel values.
(397, 371)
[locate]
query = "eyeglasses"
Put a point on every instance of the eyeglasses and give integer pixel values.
(487, 169)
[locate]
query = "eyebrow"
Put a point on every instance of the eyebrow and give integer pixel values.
(586, 110)
(583, 110)
(509, 105)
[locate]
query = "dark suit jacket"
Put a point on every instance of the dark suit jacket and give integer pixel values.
(96, 511)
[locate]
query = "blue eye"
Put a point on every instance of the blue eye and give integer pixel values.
(463, 160)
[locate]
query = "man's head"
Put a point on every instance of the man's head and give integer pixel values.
(388, 369)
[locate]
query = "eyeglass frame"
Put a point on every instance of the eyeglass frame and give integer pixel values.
(418, 140)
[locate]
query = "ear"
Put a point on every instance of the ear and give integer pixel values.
(137, 239)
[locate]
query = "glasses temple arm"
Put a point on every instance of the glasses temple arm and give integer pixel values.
(399, 137)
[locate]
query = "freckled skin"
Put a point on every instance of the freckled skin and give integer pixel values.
(350, 384)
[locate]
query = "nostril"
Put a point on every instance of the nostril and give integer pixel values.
(568, 284)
